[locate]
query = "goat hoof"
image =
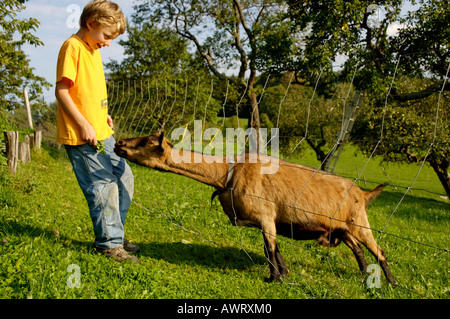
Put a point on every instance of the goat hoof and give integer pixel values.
(393, 282)
(284, 271)
(273, 278)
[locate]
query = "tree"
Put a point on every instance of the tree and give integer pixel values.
(425, 48)
(353, 29)
(226, 34)
(412, 131)
(150, 51)
(301, 113)
(424, 45)
(348, 28)
(15, 72)
(419, 58)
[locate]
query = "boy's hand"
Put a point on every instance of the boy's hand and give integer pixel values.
(88, 134)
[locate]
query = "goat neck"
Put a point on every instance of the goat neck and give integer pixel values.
(207, 169)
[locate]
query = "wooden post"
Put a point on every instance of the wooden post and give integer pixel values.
(27, 104)
(24, 150)
(37, 139)
(31, 136)
(12, 150)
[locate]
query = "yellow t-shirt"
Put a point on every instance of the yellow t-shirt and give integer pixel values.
(83, 66)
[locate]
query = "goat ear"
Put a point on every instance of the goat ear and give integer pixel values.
(160, 140)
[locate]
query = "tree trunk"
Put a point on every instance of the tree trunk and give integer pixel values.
(254, 111)
(441, 170)
(323, 158)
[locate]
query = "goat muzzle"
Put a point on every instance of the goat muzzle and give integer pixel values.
(118, 149)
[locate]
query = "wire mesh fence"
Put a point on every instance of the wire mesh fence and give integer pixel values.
(410, 222)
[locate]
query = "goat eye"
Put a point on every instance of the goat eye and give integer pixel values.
(142, 143)
(151, 141)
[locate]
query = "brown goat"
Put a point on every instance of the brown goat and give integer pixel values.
(297, 201)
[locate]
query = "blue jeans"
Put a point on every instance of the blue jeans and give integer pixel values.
(108, 184)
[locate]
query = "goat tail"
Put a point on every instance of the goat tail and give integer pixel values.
(371, 195)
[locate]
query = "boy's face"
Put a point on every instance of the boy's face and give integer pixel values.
(99, 36)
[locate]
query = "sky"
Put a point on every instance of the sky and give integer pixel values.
(58, 21)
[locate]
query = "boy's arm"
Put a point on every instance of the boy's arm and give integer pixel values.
(110, 121)
(62, 95)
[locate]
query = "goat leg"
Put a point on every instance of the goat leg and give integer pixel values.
(387, 271)
(270, 252)
(280, 261)
(366, 238)
(357, 250)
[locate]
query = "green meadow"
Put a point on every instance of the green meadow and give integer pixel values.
(190, 250)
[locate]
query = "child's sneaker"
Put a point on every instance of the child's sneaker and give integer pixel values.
(131, 248)
(117, 253)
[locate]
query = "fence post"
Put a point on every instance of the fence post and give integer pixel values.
(12, 149)
(37, 139)
(24, 150)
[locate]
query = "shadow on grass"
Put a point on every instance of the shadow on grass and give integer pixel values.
(25, 230)
(201, 255)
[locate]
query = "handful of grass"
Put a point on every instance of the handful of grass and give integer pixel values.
(101, 147)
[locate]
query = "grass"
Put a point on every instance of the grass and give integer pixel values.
(190, 250)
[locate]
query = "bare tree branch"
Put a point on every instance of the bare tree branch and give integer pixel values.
(206, 55)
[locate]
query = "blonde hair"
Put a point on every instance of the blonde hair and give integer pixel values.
(104, 13)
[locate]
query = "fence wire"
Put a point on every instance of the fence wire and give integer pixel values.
(143, 107)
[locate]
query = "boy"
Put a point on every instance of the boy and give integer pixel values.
(105, 179)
